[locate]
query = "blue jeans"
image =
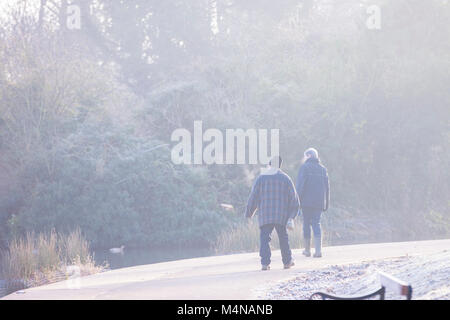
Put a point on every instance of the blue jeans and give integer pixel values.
(311, 219)
(265, 237)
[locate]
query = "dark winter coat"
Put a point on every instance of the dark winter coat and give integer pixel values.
(313, 185)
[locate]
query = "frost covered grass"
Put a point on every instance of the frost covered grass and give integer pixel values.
(428, 275)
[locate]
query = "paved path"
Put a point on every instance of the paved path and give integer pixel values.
(222, 277)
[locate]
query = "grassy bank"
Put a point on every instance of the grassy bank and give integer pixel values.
(342, 227)
(244, 237)
(39, 259)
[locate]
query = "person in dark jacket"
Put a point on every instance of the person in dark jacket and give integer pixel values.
(313, 189)
(274, 198)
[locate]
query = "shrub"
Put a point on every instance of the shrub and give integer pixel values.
(129, 194)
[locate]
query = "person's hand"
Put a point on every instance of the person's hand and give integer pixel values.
(290, 224)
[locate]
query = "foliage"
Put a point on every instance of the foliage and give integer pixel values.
(86, 116)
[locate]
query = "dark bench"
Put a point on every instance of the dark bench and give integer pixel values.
(387, 281)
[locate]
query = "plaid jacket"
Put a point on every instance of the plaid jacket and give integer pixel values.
(274, 198)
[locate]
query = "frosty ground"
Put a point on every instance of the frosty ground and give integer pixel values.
(428, 274)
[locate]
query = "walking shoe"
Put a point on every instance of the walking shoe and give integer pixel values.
(307, 244)
(318, 247)
(289, 265)
(318, 255)
(265, 268)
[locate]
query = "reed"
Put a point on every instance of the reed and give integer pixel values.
(74, 248)
(44, 258)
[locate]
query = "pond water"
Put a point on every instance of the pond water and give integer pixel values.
(137, 257)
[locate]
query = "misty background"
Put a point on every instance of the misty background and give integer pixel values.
(86, 115)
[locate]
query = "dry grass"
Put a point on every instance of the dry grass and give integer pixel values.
(245, 238)
(75, 249)
(36, 260)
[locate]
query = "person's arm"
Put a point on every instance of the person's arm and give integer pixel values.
(301, 180)
(252, 203)
(294, 201)
(327, 191)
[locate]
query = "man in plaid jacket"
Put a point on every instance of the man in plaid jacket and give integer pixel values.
(275, 200)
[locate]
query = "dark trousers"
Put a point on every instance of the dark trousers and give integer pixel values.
(265, 237)
(311, 219)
